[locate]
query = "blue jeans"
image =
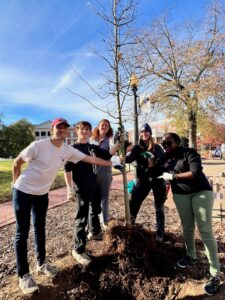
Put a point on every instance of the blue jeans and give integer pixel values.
(104, 181)
(24, 204)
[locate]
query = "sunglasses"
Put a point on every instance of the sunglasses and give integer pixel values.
(167, 144)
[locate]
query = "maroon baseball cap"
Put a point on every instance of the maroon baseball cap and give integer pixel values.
(58, 121)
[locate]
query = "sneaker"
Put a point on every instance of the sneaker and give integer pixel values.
(27, 284)
(212, 286)
(81, 258)
(96, 237)
(47, 269)
(186, 261)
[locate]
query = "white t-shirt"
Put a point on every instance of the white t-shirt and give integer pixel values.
(44, 160)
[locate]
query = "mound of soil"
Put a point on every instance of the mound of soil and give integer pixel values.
(128, 264)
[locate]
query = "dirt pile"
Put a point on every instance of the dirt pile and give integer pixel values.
(128, 264)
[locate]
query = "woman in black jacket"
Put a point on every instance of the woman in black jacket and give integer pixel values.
(149, 157)
(194, 198)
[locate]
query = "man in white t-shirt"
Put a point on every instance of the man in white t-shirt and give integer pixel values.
(30, 194)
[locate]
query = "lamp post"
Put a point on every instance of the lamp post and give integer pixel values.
(134, 85)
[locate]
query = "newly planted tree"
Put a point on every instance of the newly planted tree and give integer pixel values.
(118, 36)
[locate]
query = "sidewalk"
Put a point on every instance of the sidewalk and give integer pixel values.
(56, 197)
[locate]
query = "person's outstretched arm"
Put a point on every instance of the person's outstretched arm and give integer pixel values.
(97, 161)
(113, 149)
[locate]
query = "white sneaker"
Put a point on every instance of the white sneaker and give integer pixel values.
(27, 284)
(96, 237)
(81, 258)
(47, 269)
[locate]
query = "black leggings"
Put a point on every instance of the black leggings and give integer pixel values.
(140, 192)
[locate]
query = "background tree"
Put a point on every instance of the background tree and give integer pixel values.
(16, 137)
(186, 68)
(1, 131)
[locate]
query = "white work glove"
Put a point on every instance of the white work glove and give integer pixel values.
(116, 163)
(166, 176)
(71, 195)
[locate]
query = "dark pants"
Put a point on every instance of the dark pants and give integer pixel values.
(89, 199)
(24, 204)
(140, 192)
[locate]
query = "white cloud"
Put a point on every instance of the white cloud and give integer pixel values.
(64, 81)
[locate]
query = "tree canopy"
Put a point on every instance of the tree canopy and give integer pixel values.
(16, 137)
(185, 67)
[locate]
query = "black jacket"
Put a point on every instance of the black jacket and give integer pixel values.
(183, 160)
(143, 172)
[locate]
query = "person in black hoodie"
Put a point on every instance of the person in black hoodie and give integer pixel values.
(194, 198)
(149, 158)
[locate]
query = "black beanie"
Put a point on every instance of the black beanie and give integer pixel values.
(146, 127)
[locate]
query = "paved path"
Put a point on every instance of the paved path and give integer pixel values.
(58, 197)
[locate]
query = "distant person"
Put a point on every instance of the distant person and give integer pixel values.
(222, 148)
(30, 194)
(88, 193)
(149, 158)
(194, 199)
(102, 136)
(218, 152)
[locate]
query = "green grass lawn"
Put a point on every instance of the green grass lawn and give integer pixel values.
(6, 179)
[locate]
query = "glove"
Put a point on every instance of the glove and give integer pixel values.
(116, 163)
(119, 136)
(147, 155)
(119, 167)
(130, 185)
(71, 195)
(166, 176)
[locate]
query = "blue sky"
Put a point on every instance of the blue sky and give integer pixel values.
(43, 41)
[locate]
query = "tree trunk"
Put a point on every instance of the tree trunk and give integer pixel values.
(117, 82)
(192, 129)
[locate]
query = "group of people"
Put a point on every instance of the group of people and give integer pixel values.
(88, 176)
